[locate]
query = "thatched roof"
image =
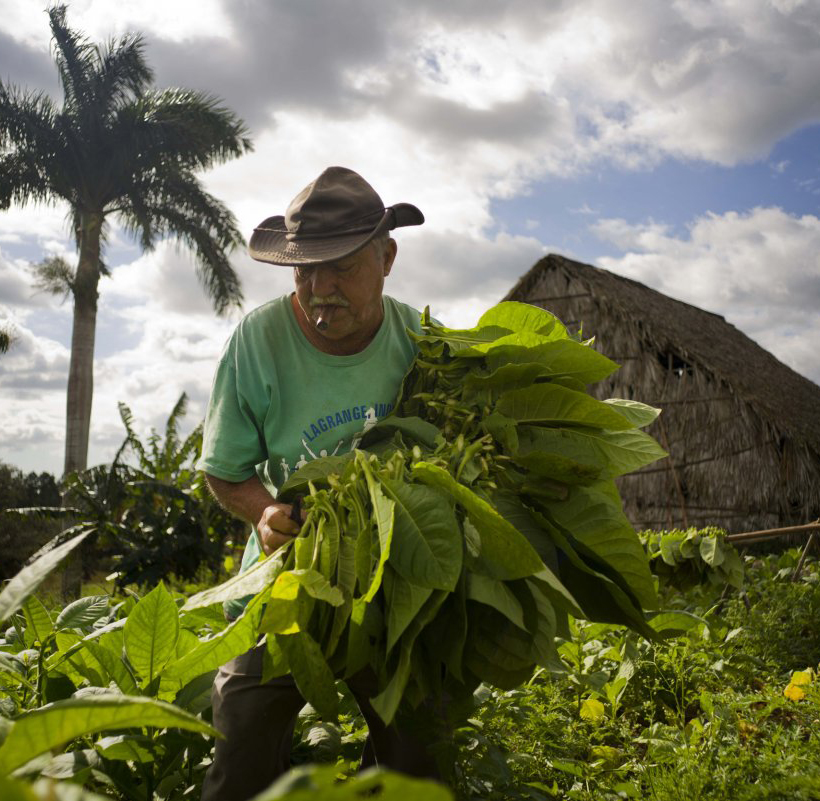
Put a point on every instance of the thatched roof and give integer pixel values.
(742, 429)
(787, 399)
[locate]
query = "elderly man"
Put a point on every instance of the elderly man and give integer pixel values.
(303, 376)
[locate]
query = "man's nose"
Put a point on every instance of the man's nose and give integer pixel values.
(322, 280)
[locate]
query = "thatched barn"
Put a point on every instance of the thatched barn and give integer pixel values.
(741, 428)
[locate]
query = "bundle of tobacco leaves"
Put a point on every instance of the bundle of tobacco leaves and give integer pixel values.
(450, 549)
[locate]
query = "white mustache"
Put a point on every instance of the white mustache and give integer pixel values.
(330, 300)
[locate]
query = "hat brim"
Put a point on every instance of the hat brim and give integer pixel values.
(272, 243)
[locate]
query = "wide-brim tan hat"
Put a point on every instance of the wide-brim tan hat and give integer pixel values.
(332, 217)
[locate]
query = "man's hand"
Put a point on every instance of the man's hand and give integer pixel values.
(253, 503)
(275, 527)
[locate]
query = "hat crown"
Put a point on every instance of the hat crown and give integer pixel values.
(338, 200)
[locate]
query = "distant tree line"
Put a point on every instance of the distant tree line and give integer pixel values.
(20, 538)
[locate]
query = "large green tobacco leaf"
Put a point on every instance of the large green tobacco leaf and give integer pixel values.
(600, 452)
(496, 594)
(403, 600)
(563, 357)
(387, 702)
(555, 457)
(29, 578)
(311, 672)
(507, 376)
(126, 748)
(427, 548)
(321, 783)
(108, 653)
(526, 339)
(38, 621)
(251, 582)
(237, 638)
(56, 724)
(495, 653)
(596, 520)
(519, 317)
(46, 790)
(509, 505)
(314, 583)
(151, 632)
(504, 552)
(83, 612)
(556, 405)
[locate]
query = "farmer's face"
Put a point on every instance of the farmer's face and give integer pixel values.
(347, 296)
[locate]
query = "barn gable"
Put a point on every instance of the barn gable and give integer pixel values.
(741, 428)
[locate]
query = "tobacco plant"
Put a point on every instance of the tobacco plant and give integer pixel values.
(452, 547)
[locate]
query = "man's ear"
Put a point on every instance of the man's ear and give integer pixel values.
(390, 250)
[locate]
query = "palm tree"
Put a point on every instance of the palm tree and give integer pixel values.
(118, 148)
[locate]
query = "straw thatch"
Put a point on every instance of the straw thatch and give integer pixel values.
(742, 429)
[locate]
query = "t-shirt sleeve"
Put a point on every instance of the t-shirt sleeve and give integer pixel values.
(232, 440)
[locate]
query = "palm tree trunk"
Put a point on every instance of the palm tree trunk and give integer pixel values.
(81, 377)
(81, 369)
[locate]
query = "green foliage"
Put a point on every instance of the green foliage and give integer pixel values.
(686, 558)
(18, 538)
(147, 522)
(453, 552)
(700, 713)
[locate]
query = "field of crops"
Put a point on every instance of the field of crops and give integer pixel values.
(105, 695)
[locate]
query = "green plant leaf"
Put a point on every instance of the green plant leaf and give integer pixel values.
(412, 429)
(675, 622)
(56, 724)
(38, 621)
(14, 594)
(384, 512)
(589, 451)
(313, 582)
(151, 632)
(596, 520)
(249, 583)
(504, 552)
(639, 414)
(311, 672)
(554, 404)
(235, 639)
(497, 595)
(126, 748)
(426, 546)
(46, 790)
(83, 612)
(711, 551)
(320, 783)
(563, 357)
(519, 317)
(387, 702)
(403, 600)
(109, 656)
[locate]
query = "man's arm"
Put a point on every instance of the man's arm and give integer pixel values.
(250, 501)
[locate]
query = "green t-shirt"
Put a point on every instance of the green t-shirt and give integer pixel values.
(277, 402)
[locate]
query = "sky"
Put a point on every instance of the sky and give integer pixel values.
(675, 142)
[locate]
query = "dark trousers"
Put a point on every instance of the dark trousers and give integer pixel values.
(258, 721)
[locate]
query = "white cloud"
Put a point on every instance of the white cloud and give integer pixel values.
(177, 21)
(760, 270)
